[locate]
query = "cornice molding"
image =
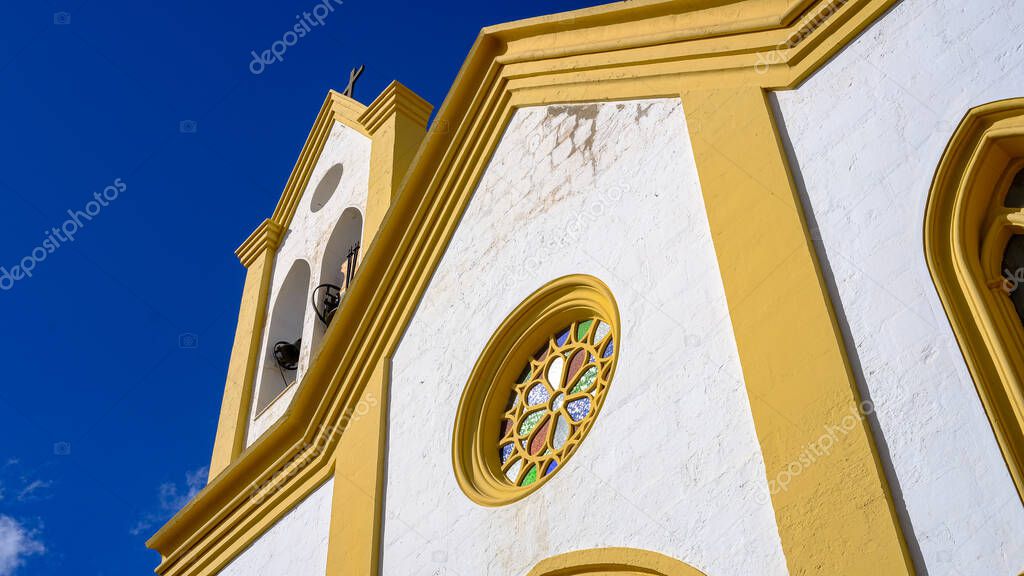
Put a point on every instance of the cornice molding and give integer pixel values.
(266, 236)
(641, 49)
(394, 99)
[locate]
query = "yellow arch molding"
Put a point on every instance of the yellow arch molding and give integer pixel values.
(711, 51)
(613, 561)
(965, 233)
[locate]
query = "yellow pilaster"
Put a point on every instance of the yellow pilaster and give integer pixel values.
(257, 255)
(397, 123)
(357, 505)
(831, 500)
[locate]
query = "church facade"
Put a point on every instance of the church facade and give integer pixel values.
(669, 287)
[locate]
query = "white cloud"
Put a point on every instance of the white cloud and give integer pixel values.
(21, 486)
(141, 527)
(171, 497)
(16, 544)
(31, 489)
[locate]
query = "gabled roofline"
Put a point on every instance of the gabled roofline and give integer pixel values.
(640, 49)
(336, 108)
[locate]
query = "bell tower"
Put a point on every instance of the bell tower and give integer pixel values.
(301, 261)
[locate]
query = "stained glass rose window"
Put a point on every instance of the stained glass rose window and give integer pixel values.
(554, 400)
(536, 390)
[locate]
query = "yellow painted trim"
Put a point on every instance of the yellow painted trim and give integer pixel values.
(834, 516)
(965, 233)
(358, 502)
(609, 561)
(257, 254)
(553, 306)
(507, 68)
(394, 99)
(267, 236)
(397, 123)
(336, 108)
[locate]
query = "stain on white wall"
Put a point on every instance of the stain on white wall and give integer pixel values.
(867, 133)
(294, 546)
(306, 239)
(672, 464)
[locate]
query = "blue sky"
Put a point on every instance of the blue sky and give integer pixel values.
(145, 121)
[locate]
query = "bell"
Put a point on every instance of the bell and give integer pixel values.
(287, 354)
(329, 301)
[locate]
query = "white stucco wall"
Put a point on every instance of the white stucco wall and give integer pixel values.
(295, 546)
(306, 239)
(672, 463)
(867, 134)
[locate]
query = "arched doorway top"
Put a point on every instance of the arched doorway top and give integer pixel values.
(613, 562)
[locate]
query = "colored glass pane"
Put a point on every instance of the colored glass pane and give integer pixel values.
(555, 399)
(576, 363)
(540, 439)
(578, 409)
(513, 471)
(582, 329)
(538, 395)
(561, 433)
(530, 422)
(609, 348)
(531, 476)
(555, 372)
(585, 381)
(556, 404)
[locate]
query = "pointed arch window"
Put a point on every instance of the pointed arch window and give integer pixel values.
(974, 245)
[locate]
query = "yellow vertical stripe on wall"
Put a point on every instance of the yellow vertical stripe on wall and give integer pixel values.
(358, 503)
(397, 122)
(234, 412)
(833, 510)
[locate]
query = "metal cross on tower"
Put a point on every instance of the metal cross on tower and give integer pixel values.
(352, 77)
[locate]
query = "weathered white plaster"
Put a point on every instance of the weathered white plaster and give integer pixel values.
(294, 546)
(673, 463)
(307, 239)
(867, 134)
